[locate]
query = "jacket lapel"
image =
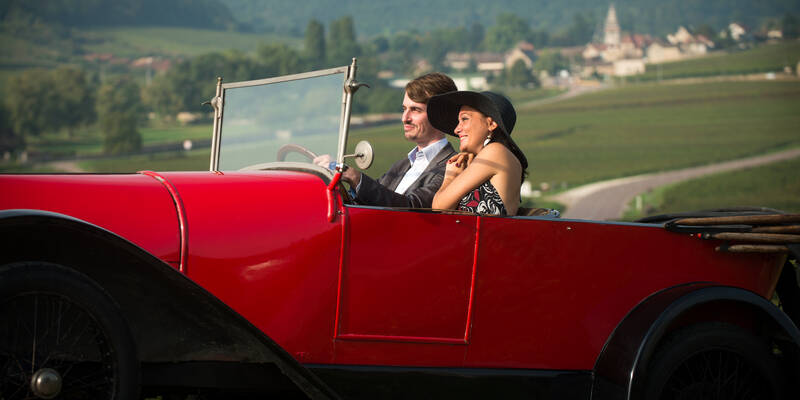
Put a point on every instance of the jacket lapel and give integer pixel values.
(398, 174)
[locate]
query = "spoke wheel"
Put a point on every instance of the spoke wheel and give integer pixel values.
(62, 337)
(714, 361)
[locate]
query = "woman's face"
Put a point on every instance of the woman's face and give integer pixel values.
(473, 129)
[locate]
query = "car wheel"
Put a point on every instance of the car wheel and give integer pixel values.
(62, 336)
(714, 361)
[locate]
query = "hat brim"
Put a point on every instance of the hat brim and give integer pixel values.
(443, 112)
(443, 109)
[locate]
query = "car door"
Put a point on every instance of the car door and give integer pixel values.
(406, 277)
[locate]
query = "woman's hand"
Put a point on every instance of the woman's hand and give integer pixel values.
(457, 164)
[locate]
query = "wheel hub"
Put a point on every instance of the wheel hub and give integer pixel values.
(46, 383)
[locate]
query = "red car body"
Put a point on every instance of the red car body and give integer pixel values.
(251, 267)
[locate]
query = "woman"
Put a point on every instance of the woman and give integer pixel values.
(485, 177)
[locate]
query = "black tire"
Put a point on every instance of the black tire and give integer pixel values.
(714, 361)
(59, 325)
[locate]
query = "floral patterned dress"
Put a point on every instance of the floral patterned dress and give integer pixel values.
(483, 200)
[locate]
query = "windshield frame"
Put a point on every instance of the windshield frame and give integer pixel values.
(218, 103)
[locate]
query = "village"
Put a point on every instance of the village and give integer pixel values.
(613, 53)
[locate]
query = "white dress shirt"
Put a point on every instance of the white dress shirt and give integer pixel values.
(419, 161)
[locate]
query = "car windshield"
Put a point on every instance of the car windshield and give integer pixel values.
(287, 119)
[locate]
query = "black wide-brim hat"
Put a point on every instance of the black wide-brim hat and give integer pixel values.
(443, 112)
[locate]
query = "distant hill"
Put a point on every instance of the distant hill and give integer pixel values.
(381, 16)
(208, 14)
(374, 17)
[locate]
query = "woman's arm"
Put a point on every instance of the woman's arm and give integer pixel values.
(461, 179)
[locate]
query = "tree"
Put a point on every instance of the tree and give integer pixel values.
(314, 50)
(552, 62)
(162, 97)
(119, 110)
(275, 59)
(73, 104)
(507, 32)
(475, 36)
(705, 30)
(520, 76)
(342, 44)
(581, 30)
(791, 29)
(10, 141)
(29, 104)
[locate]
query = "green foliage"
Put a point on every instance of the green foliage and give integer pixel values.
(29, 106)
(550, 61)
(10, 141)
(163, 96)
(45, 100)
(790, 26)
(171, 41)
(508, 30)
(774, 186)
(194, 13)
(314, 50)
(644, 128)
(657, 17)
(342, 45)
(119, 110)
(276, 60)
(195, 160)
(765, 58)
(519, 76)
(578, 33)
(73, 99)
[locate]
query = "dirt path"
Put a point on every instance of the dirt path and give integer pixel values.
(607, 199)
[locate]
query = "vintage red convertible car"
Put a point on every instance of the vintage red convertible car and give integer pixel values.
(262, 276)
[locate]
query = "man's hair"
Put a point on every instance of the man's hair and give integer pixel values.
(426, 86)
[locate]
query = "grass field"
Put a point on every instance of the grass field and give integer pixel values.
(639, 128)
(612, 133)
(765, 58)
(774, 186)
(645, 128)
(90, 142)
(17, 54)
(185, 42)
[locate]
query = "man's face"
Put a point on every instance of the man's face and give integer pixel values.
(416, 126)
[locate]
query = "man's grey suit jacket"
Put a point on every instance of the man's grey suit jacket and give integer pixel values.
(418, 195)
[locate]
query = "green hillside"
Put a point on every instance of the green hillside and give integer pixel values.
(775, 186)
(643, 16)
(176, 42)
(766, 58)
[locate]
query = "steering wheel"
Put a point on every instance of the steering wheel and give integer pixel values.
(294, 148)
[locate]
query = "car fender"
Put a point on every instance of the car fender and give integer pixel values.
(172, 319)
(621, 368)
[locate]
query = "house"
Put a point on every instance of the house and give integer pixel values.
(659, 52)
(490, 62)
(522, 51)
(628, 67)
(681, 36)
(738, 31)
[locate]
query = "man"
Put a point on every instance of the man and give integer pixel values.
(412, 181)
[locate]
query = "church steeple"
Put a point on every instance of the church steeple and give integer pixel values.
(612, 32)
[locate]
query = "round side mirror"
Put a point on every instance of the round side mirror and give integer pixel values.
(363, 155)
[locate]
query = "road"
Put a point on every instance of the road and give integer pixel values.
(606, 200)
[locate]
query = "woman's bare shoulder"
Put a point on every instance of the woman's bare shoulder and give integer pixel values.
(497, 152)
